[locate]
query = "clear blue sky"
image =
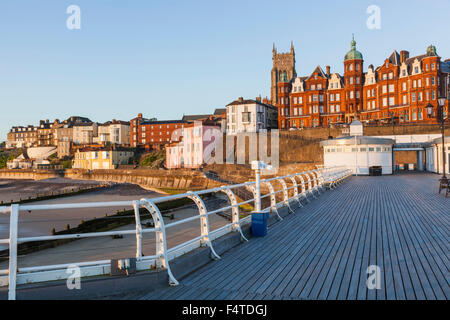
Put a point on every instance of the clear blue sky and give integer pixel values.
(165, 58)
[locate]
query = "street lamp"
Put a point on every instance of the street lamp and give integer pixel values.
(391, 115)
(443, 182)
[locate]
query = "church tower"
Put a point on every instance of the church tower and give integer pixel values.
(283, 67)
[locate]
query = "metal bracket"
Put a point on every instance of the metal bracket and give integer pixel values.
(234, 211)
(296, 194)
(161, 244)
(285, 194)
(273, 199)
(204, 222)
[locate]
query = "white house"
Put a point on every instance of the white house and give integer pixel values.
(114, 132)
(250, 116)
(434, 155)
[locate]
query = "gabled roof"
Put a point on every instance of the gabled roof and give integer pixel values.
(394, 58)
(319, 71)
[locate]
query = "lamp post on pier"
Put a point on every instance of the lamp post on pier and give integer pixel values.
(443, 182)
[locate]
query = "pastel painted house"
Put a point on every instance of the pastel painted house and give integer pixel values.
(101, 158)
(197, 146)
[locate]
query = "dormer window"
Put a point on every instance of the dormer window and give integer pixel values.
(387, 64)
(403, 73)
(416, 69)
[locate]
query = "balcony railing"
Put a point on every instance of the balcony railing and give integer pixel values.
(302, 185)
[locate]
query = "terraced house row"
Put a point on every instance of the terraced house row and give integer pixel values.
(396, 91)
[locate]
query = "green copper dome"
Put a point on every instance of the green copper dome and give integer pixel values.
(353, 54)
(431, 51)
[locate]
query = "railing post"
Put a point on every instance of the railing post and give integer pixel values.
(204, 222)
(235, 219)
(285, 194)
(273, 199)
(13, 231)
(161, 241)
(296, 194)
(258, 190)
(304, 192)
(136, 205)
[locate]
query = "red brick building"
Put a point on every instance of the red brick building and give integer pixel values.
(398, 90)
(151, 133)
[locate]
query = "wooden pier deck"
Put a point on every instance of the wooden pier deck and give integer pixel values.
(322, 251)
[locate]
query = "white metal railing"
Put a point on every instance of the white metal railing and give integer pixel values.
(309, 183)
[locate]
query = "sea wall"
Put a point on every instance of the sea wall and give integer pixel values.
(174, 179)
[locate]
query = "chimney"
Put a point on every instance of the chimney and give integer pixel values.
(258, 98)
(328, 71)
(140, 115)
(240, 99)
(403, 56)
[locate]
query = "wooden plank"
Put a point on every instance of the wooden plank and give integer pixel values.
(322, 274)
(346, 254)
(296, 245)
(279, 287)
(413, 237)
(388, 285)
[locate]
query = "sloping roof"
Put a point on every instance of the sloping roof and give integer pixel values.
(250, 101)
(193, 117)
(410, 61)
(107, 123)
(83, 124)
(394, 58)
(107, 148)
(319, 70)
(356, 140)
(78, 119)
(445, 66)
(220, 111)
(145, 121)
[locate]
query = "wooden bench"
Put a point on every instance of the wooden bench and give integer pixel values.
(444, 184)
